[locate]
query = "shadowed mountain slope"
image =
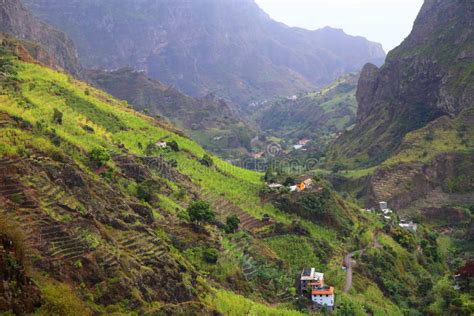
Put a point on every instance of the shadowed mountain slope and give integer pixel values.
(230, 48)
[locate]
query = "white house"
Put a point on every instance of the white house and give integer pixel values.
(309, 277)
(383, 206)
(161, 144)
(408, 226)
(308, 183)
(275, 186)
(323, 296)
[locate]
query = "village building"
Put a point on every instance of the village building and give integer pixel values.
(304, 142)
(313, 282)
(258, 155)
(161, 144)
(275, 186)
(384, 208)
(310, 276)
(298, 147)
(323, 296)
(408, 225)
(308, 183)
(300, 187)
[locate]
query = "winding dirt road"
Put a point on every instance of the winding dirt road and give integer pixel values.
(349, 261)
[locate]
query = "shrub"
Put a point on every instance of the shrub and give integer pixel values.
(145, 190)
(173, 163)
(289, 181)
(173, 145)
(54, 137)
(270, 175)
(200, 212)
(99, 156)
(338, 167)
(59, 299)
(211, 255)
(9, 231)
(57, 117)
(232, 224)
(151, 149)
(88, 128)
(315, 203)
(404, 238)
(207, 161)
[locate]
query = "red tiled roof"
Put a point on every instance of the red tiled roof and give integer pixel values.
(329, 291)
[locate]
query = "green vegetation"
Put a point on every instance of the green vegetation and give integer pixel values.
(231, 304)
(312, 115)
(232, 224)
(200, 212)
(250, 271)
(99, 156)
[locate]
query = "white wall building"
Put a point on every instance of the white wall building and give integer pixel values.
(309, 277)
(323, 296)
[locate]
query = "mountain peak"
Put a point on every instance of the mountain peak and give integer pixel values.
(230, 47)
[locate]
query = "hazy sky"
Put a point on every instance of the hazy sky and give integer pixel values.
(384, 21)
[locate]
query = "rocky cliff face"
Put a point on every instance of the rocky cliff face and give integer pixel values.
(428, 76)
(16, 20)
(231, 48)
(447, 181)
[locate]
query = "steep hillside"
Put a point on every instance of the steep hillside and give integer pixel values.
(428, 77)
(230, 48)
(16, 20)
(311, 115)
(413, 144)
(208, 120)
(416, 115)
(94, 218)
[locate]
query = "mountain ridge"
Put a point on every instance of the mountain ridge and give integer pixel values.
(231, 49)
(428, 76)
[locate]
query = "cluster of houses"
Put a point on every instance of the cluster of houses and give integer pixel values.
(387, 216)
(299, 187)
(312, 283)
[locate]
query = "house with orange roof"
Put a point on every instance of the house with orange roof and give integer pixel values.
(323, 296)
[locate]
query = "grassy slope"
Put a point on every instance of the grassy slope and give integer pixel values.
(209, 121)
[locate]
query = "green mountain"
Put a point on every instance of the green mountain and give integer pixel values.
(97, 218)
(426, 81)
(414, 133)
(311, 115)
(230, 48)
(208, 120)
